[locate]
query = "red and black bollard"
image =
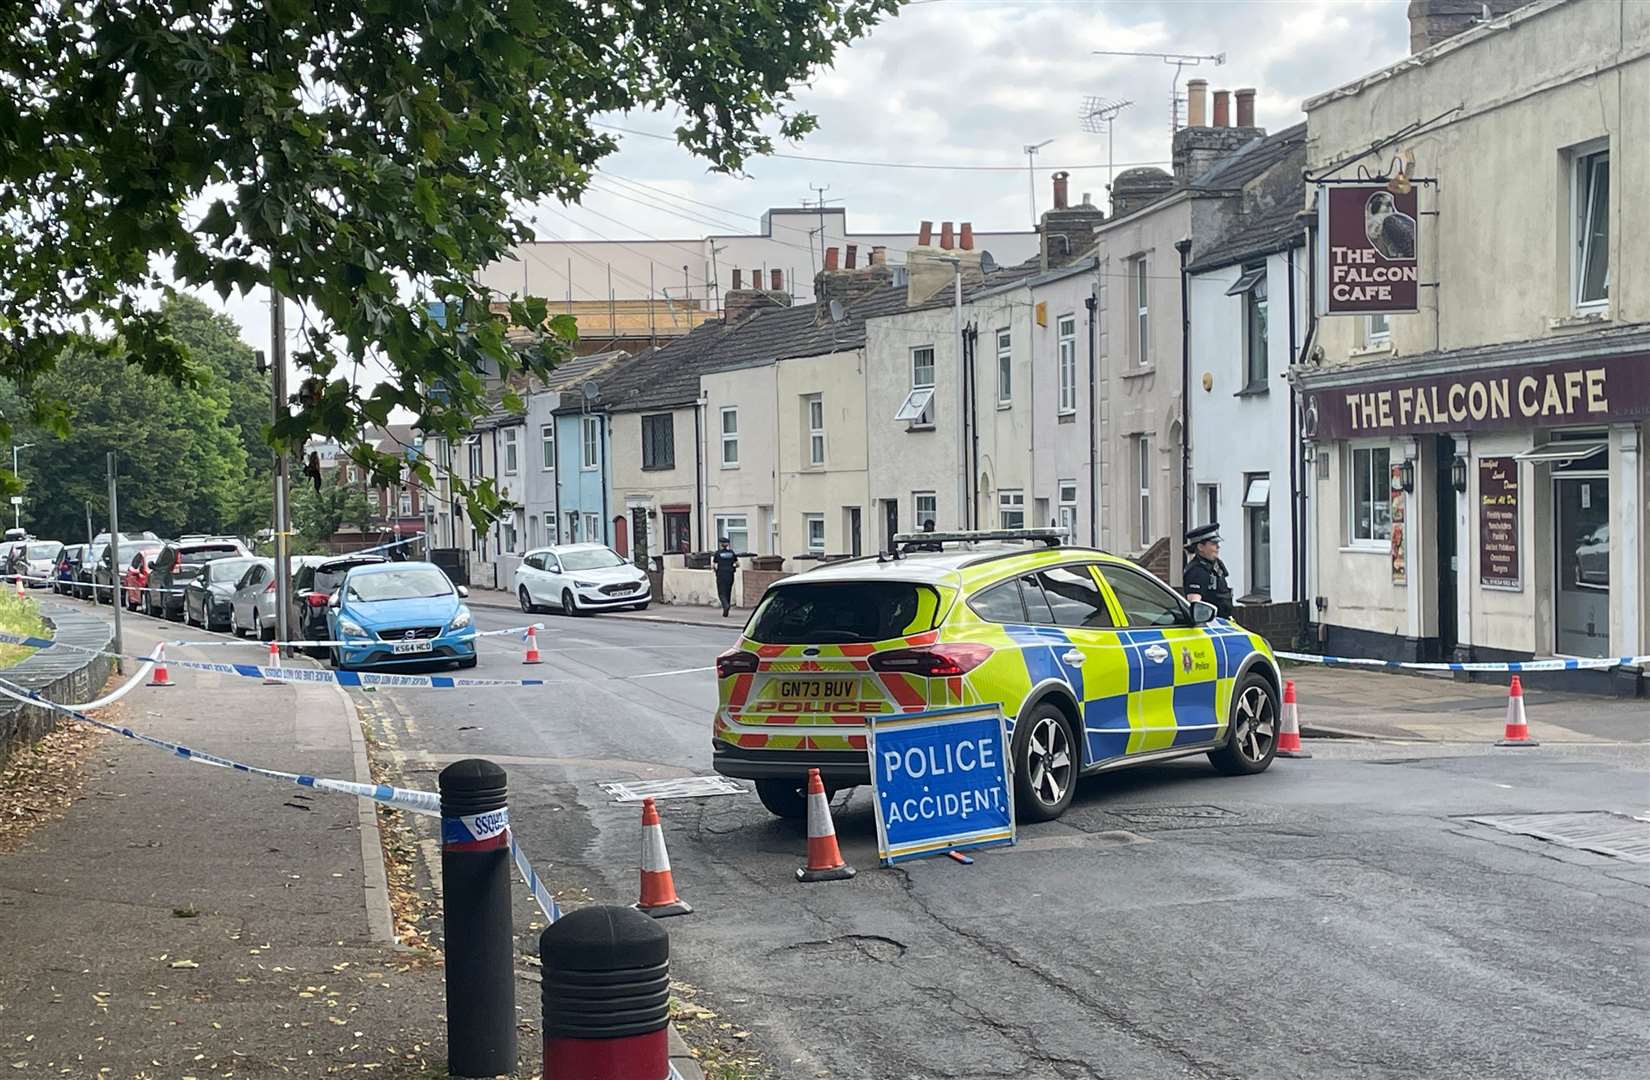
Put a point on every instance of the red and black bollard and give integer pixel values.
(480, 944)
(606, 996)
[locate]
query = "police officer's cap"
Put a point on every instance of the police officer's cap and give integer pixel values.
(1201, 534)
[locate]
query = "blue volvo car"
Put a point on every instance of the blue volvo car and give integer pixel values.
(400, 614)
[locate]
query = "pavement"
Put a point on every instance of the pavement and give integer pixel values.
(1380, 910)
(679, 614)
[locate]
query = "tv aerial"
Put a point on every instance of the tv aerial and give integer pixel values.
(1099, 117)
(1180, 61)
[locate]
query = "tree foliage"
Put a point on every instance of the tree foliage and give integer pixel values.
(319, 513)
(182, 460)
(362, 158)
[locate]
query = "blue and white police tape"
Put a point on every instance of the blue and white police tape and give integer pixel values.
(355, 644)
(384, 547)
(1556, 663)
(352, 679)
(427, 803)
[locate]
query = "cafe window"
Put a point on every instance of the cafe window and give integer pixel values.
(1377, 330)
(1370, 508)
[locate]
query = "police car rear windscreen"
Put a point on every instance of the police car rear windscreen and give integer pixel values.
(832, 613)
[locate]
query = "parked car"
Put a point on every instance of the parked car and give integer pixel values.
(398, 613)
(84, 580)
(313, 583)
(252, 606)
(36, 560)
(68, 563)
(104, 575)
(1096, 664)
(134, 579)
(580, 578)
(176, 565)
(209, 594)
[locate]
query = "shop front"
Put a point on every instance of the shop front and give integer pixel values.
(1484, 504)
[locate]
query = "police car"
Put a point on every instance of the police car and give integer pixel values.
(1096, 663)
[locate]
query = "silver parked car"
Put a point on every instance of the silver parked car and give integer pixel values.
(252, 605)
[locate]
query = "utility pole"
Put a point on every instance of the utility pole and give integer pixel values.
(117, 601)
(283, 519)
(17, 507)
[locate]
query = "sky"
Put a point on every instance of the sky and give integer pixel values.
(969, 83)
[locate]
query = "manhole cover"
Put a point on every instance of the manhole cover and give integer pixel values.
(1598, 831)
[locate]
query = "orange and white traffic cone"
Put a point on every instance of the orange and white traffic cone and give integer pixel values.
(825, 862)
(20, 593)
(1289, 736)
(159, 676)
(659, 897)
(274, 662)
(532, 656)
(1517, 732)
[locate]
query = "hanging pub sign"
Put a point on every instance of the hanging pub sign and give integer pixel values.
(1368, 249)
(1498, 522)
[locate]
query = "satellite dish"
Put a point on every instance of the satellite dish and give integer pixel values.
(592, 390)
(836, 311)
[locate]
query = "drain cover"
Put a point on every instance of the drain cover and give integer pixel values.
(1598, 831)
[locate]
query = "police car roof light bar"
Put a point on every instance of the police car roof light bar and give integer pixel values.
(1050, 537)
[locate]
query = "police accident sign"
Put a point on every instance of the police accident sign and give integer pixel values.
(943, 781)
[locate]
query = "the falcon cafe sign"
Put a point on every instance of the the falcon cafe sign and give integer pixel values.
(1368, 249)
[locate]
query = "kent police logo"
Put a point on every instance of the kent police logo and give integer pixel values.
(1186, 661)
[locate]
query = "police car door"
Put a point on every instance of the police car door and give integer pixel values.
(1172, 669)
(1094, 662)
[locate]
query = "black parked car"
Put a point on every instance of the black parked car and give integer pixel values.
(313, 584)
(176, 565)
(207, 595)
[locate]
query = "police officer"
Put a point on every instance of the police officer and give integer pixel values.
(1205, 575)
(724, 560)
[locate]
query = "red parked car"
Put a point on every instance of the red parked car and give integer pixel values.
(135, 577)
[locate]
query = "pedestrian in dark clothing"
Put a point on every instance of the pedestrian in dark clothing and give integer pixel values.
(1205, 575)
(724, 561)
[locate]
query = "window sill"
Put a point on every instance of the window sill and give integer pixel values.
(1067, 418)
(919, 427)
(1003, 406)
(727, 466)
(1256, 598)
(1254, 390)
(1582, 319)
(1140, 372)
(1374, 348)
(659, 468)
(1365, 549)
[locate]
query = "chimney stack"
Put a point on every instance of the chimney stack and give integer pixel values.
(852, 256)
(965, 237)
(925, 234)
(830, 258)
(1223, 109)
(879, 255)
(777, 280)
(1433, 21)
(1197, 102)
(1245, 107)
(945, 236)
(738, 279)
(1060, 194)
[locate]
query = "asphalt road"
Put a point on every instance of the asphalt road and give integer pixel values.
(1336, 917)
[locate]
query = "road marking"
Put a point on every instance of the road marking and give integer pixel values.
(662, 674)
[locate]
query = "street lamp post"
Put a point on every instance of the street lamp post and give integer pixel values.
(17, 508)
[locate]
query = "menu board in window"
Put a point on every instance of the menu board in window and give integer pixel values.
(1498, 522)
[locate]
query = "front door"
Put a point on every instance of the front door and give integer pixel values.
(890, 523)
(621, 536)
(1447, 568)
(853, 531)
(1581, 521)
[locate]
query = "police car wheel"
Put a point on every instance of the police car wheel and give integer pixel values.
(1045, 764)
(784, 798)
(1252, 738)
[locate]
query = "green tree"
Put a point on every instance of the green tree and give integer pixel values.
(318, 514)
(359, 158)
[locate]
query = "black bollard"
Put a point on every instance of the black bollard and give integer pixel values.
(475, 893)
(606, 996)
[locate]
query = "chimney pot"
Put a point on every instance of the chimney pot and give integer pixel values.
(965, 239)
(945, 236)
(777, 279)
(1060, 196)
(1223, 109)
(1245, 107)
(1197, 102)
(852, 257)
(1088, 199)
(830, 258)
(925, 234)
(879, 255)
(738, 279)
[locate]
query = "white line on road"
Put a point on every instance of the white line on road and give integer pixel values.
(662, 674)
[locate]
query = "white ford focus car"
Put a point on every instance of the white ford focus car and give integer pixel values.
(580, 578)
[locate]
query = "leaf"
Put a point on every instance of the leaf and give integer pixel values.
(183, 964)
